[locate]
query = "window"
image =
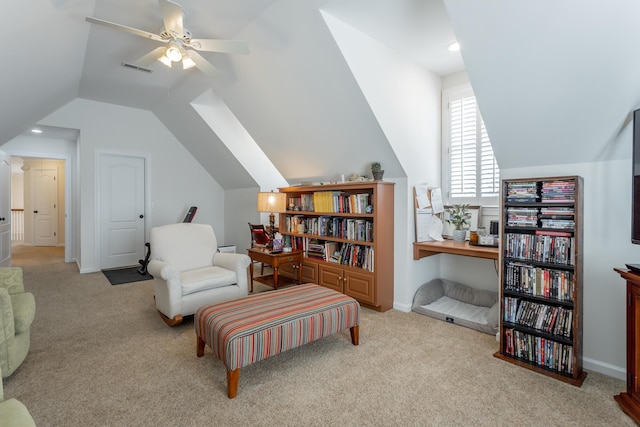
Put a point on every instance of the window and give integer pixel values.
(470, 171)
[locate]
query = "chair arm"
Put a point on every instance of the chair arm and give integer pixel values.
(7, 324)
(168, 287)
(11, 279)
(24, 311)
(14, 413)
(162, 269)
(235, 262)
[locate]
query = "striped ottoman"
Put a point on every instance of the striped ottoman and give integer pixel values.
(245, 330)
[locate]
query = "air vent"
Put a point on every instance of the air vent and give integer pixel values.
(135, 67)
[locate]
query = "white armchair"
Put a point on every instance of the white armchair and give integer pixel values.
(189, 272)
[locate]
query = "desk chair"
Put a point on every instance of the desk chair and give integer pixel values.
(259, 238)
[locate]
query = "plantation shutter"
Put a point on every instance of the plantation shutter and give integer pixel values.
(473, 168)
(489, 172)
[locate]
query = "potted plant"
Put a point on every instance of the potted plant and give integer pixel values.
(376, 170)
(459, 218)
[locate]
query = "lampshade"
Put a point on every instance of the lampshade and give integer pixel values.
(272, 202)
(173, 53)
(166, 61)
(187, 63)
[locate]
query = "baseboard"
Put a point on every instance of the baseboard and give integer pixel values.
(406, 308)
(604, 368)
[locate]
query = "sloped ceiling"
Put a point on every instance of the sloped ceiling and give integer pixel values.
(555, 80)
(558, 76)
(45, 50)
(294, 93)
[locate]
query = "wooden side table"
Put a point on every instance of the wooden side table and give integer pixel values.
(275, 260)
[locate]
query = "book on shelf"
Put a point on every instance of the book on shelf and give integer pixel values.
(522, 217)
(543, 246)
(522, 191)
(557, 211)
(332, 202)
(558, 191)
(553, 233)
(541, 351)
(328, 226)
(316, 249)
(564, 224)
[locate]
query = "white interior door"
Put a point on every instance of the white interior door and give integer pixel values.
(45, 207)
(122, 189)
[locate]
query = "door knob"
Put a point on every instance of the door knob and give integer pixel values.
(141, 216)
(35, 211)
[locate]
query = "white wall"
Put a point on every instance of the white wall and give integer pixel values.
(240, 209)
(405, 99)
(175, 180)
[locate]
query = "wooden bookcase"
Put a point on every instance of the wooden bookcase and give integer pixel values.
(353, 219)
(541, 276)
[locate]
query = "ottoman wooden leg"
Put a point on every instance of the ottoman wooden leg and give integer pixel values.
(200, 349)
(232, 382)
(355, 334)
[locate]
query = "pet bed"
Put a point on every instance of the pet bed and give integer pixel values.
(460, 304)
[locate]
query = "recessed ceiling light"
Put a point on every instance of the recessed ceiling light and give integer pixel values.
(36, 131)
(454, 47)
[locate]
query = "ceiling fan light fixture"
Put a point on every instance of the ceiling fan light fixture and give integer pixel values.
(173, 53)
(187, 63)
(166, 61)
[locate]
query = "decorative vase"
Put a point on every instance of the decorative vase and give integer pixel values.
(377, 175)
(459, 235)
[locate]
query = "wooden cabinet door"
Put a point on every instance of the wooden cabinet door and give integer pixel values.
(330, 277)
(360, 286)
(309, 272)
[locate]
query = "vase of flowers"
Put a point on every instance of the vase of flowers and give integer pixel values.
(459, 217)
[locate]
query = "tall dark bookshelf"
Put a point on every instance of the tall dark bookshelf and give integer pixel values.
(541, 276)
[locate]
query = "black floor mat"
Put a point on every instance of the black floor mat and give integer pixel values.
(118, 276)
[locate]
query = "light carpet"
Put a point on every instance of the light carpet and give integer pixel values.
(101, 356)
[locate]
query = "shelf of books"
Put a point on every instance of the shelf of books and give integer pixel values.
(346, 233)
(541, 276)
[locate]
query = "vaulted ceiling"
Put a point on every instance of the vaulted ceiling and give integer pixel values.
(558, 76)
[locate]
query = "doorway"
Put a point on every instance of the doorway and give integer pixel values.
(38, 201)
(122, 214)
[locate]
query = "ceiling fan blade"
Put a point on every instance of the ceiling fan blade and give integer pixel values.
(204, 65)
(172, 17)
(224, 46)
(150, 57)
(135, 31)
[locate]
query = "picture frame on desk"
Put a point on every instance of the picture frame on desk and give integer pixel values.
(474, 219)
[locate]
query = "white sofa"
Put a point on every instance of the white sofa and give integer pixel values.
(189, 272)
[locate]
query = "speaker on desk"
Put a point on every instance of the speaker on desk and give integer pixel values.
(493, 228)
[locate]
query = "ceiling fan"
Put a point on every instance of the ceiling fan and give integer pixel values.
(179, 45)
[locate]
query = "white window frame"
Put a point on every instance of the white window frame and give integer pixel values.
(455, 93)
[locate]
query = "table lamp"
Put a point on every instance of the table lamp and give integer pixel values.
(270, 203)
